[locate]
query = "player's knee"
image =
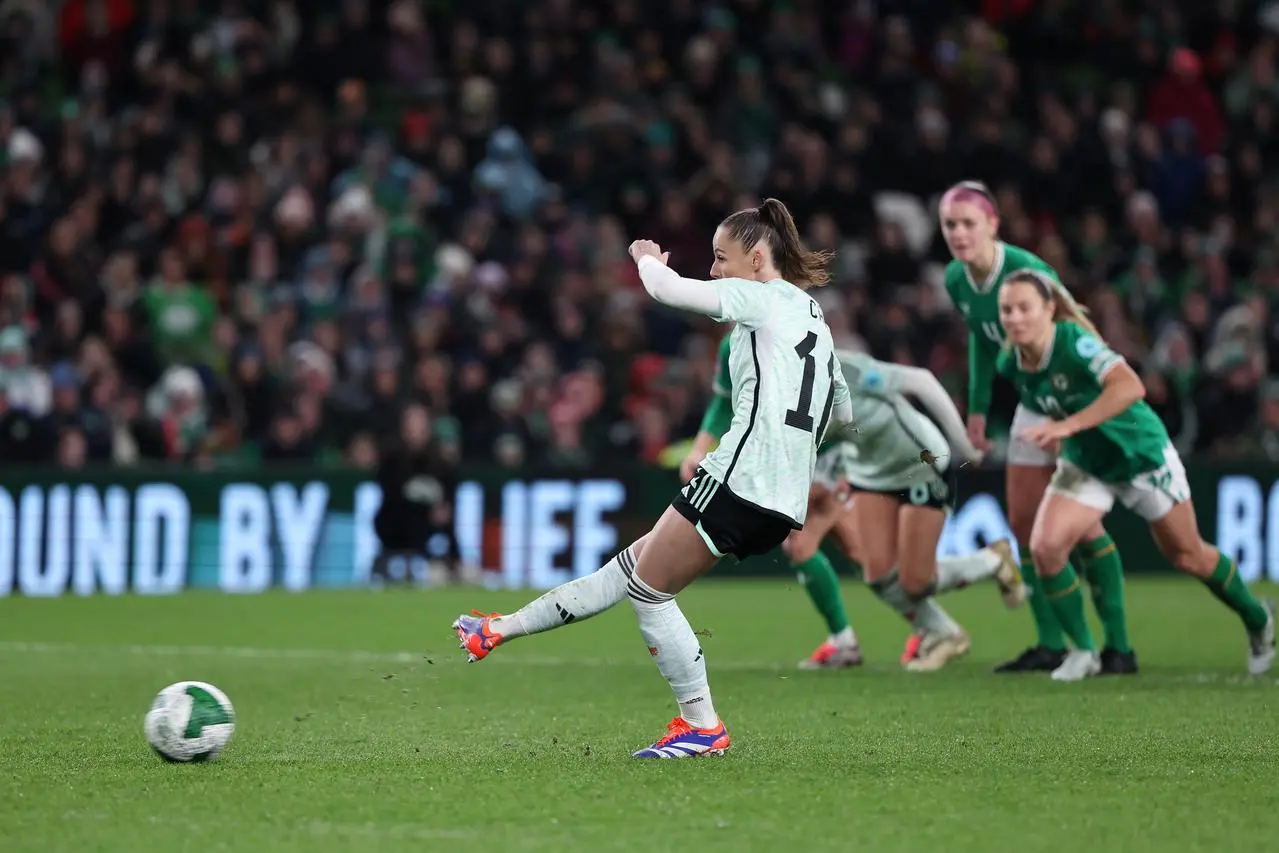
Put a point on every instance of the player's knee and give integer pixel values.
(915, 584)
(798, 549)
(877, 564)
(1050, 554)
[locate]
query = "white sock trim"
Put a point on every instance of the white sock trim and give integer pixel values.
(641, 593)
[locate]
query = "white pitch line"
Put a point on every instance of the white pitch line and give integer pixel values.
(334, 655)
(454, 656)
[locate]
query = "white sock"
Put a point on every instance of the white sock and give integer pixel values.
(925, 614)
(673, 645)
(932, 618)
(570, 602)
(888, 590)
(845, 639)
(959, 572)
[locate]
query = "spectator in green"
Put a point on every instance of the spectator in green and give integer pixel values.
(180, 314)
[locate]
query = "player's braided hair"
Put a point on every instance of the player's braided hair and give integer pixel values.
(772, 222)
(1064, 305)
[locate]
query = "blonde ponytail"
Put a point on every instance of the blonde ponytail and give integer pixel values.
(1066, 308)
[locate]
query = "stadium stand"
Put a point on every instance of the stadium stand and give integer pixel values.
(252, 230)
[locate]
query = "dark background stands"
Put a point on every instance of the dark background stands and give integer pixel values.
(248, 230)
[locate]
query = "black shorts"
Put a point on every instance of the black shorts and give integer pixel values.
(731, 525)
(936, 492)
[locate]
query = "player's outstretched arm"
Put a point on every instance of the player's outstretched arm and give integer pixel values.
(922, 385)
(667, 287)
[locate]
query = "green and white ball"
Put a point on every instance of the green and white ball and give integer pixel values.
(190, 721)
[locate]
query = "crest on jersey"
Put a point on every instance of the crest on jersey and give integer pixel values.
(1087, 346)
(1060, 381)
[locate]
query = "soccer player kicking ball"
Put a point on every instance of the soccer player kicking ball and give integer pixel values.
(970, 224)
(1113, 445)
(826, 505)
(746, 496)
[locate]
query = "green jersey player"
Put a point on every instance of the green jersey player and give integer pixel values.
(981, 261)
(895, 461)
(1112, 446)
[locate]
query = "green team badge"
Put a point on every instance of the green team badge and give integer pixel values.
(205, 711)
(1060, 382)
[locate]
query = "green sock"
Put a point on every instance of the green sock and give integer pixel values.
(1103, 569)
(1046, 624)
(1229, 588)
(822, 585)
(1066, 595)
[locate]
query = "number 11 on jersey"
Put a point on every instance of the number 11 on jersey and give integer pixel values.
(801, 417)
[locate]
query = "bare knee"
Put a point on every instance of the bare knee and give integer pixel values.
(1050, 554)
(878, 564)
(916, 584)
(799, 549)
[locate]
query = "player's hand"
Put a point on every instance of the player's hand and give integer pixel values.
(977, 432)
(647, 248)
(1048, 435)
(689, 465)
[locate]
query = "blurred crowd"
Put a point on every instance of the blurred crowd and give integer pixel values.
(256, 229)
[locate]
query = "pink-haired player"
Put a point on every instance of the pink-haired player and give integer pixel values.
(970, 224)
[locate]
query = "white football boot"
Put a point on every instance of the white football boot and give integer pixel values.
(1078, 665)
(1261, 644)
(1008, 575)
(937, 650)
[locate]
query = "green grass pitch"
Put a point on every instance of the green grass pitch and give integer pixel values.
(361, 729)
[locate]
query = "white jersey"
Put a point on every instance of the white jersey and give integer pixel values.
(785, 382)
(894, 445)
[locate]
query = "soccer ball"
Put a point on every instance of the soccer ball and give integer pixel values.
(189, 721)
